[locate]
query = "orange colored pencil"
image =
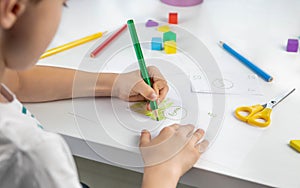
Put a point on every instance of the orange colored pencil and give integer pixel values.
(107, 41)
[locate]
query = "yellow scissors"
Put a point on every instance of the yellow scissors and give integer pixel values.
(259, 115)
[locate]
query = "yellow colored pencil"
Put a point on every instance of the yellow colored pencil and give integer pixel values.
(71, 44)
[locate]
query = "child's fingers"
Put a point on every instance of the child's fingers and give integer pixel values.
(175, 126)
(169, 131)
(146, 91)
(202, 146)
(162, 93)
(154, 73)
(148, 107)
(161, 87)
(198, 134)
(136, 98)
(185, 131)
(145, 138)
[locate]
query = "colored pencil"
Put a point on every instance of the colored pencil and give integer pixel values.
(71, 44)
(95, 52)
(247, 63)
(142, 64)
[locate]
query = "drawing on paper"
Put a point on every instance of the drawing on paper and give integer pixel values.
(175, 113)
(166, 110)
(230, 83)
(223, 83)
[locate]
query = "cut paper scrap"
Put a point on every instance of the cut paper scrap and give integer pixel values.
(151, 23)
(227, 83)
(140, 107)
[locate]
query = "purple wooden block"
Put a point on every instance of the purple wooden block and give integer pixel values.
(292, 45)
(151, 23)
(182, 3)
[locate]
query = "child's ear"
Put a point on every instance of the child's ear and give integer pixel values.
(10, 10)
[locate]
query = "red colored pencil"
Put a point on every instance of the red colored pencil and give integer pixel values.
(107, 41)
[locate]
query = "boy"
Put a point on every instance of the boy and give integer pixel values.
(31, 157)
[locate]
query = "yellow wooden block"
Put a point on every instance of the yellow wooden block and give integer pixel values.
(295, 144)
(170, 47)
(164, 28)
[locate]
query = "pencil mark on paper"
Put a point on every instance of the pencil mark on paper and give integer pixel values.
(212, 115)
(223, 83)
(166, 110)
(175, 113)
(82, 117)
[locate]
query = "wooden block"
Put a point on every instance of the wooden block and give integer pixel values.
(173, 18)
(168, 36)
(156, 43)
(164, 28)
(292, 45)
(295, 144)
(170, 47)
(151, 23)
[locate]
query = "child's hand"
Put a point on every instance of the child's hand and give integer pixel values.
(131, 87)
(171, 154)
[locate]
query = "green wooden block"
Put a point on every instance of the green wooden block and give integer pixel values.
(169, 36)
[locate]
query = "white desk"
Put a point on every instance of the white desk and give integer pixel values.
(258, 29)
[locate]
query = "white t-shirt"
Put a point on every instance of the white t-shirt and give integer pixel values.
(29, 156)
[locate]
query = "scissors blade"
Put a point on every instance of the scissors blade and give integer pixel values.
(272, 103)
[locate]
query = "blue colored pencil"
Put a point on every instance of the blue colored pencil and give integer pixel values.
(246, 62)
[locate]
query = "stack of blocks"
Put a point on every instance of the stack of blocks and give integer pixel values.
(169, 37)
(169, 40)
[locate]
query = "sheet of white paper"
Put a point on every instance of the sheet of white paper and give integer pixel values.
(123, 126)
(236, 138)
(227, 83)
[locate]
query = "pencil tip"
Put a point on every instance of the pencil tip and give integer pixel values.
(156, 115)
(270, 79)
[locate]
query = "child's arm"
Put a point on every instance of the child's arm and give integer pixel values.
(170, 155)
(43, 83)
(49, 83)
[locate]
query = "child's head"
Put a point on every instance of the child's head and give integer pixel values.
(27, 27)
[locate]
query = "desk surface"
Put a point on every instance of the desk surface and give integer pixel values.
(258, 29)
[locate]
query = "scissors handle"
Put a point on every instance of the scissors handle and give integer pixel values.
(261, 119)
(248, 111)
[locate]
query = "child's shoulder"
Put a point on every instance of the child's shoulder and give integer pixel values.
(19, 128)
(22, 141)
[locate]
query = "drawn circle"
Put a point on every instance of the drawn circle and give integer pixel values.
(175, 113)
(223, 84)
